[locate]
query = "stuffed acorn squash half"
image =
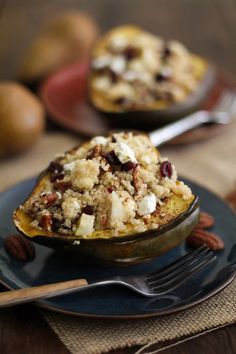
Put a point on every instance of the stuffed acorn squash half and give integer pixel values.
(133, 71)
(113, 199)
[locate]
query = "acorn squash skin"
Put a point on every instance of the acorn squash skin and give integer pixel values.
(152, 116)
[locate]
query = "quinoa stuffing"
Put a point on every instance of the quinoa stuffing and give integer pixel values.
(114, 185)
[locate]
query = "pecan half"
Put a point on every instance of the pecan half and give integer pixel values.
(19, 248)
(206, 221)
(231, 199)
(200, 237)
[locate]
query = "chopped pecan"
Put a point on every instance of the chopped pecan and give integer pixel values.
(62, 185)
(206, 221)
(200, 237)
(136, 180)
(49, 199)
(94, 152)
(46, 221)
(19, 247)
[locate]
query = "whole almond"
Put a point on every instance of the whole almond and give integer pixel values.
(19, 248)
(200, 237)
(206, 221)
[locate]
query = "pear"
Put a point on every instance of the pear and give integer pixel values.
(66, 38)
(22, 118)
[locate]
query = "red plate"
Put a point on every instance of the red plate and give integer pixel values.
(64, 95)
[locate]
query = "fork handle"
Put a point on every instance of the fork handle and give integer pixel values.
(170, 131)
(14, 297)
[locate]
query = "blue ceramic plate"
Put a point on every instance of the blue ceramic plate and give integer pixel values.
(114, 301)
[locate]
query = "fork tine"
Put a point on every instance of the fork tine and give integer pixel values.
(186, 265)
(184, 275)
(176, 264)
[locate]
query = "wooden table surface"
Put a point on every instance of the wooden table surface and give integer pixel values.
(207, 27)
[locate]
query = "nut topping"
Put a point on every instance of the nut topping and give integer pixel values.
(206, 221)
(19, 247)
(200, 237)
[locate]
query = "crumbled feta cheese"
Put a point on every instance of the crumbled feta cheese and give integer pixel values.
(117, 208)
(118, 41)
(71, 207)
(178, 48)
(130, 75)
(118, 64)
(150, 158)
(124, 152)
(99, 140)
(102, 83)
(85, 174)
(147, 205)
(69, 166)
(121, 89)
(86, 224)
(101, 62)
(151, 61)
(136, 65)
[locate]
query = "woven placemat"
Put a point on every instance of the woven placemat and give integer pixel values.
(93, 336)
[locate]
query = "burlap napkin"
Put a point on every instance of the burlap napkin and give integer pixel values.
(89, 336)
(211, 163)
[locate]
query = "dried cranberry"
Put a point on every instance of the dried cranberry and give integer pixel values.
(128, 166)
(166, 169)
(122, 101)
(131, 53)
(111, 158)
(55, 167)
(56, 176)
(166, 52)
(113, 76)
(88, 210)
(110, 190)
(161, 77)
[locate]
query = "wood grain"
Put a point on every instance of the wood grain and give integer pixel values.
(206, 27)
(14, 297)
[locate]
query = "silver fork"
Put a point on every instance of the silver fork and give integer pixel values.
(222, 113)
(160, 282)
